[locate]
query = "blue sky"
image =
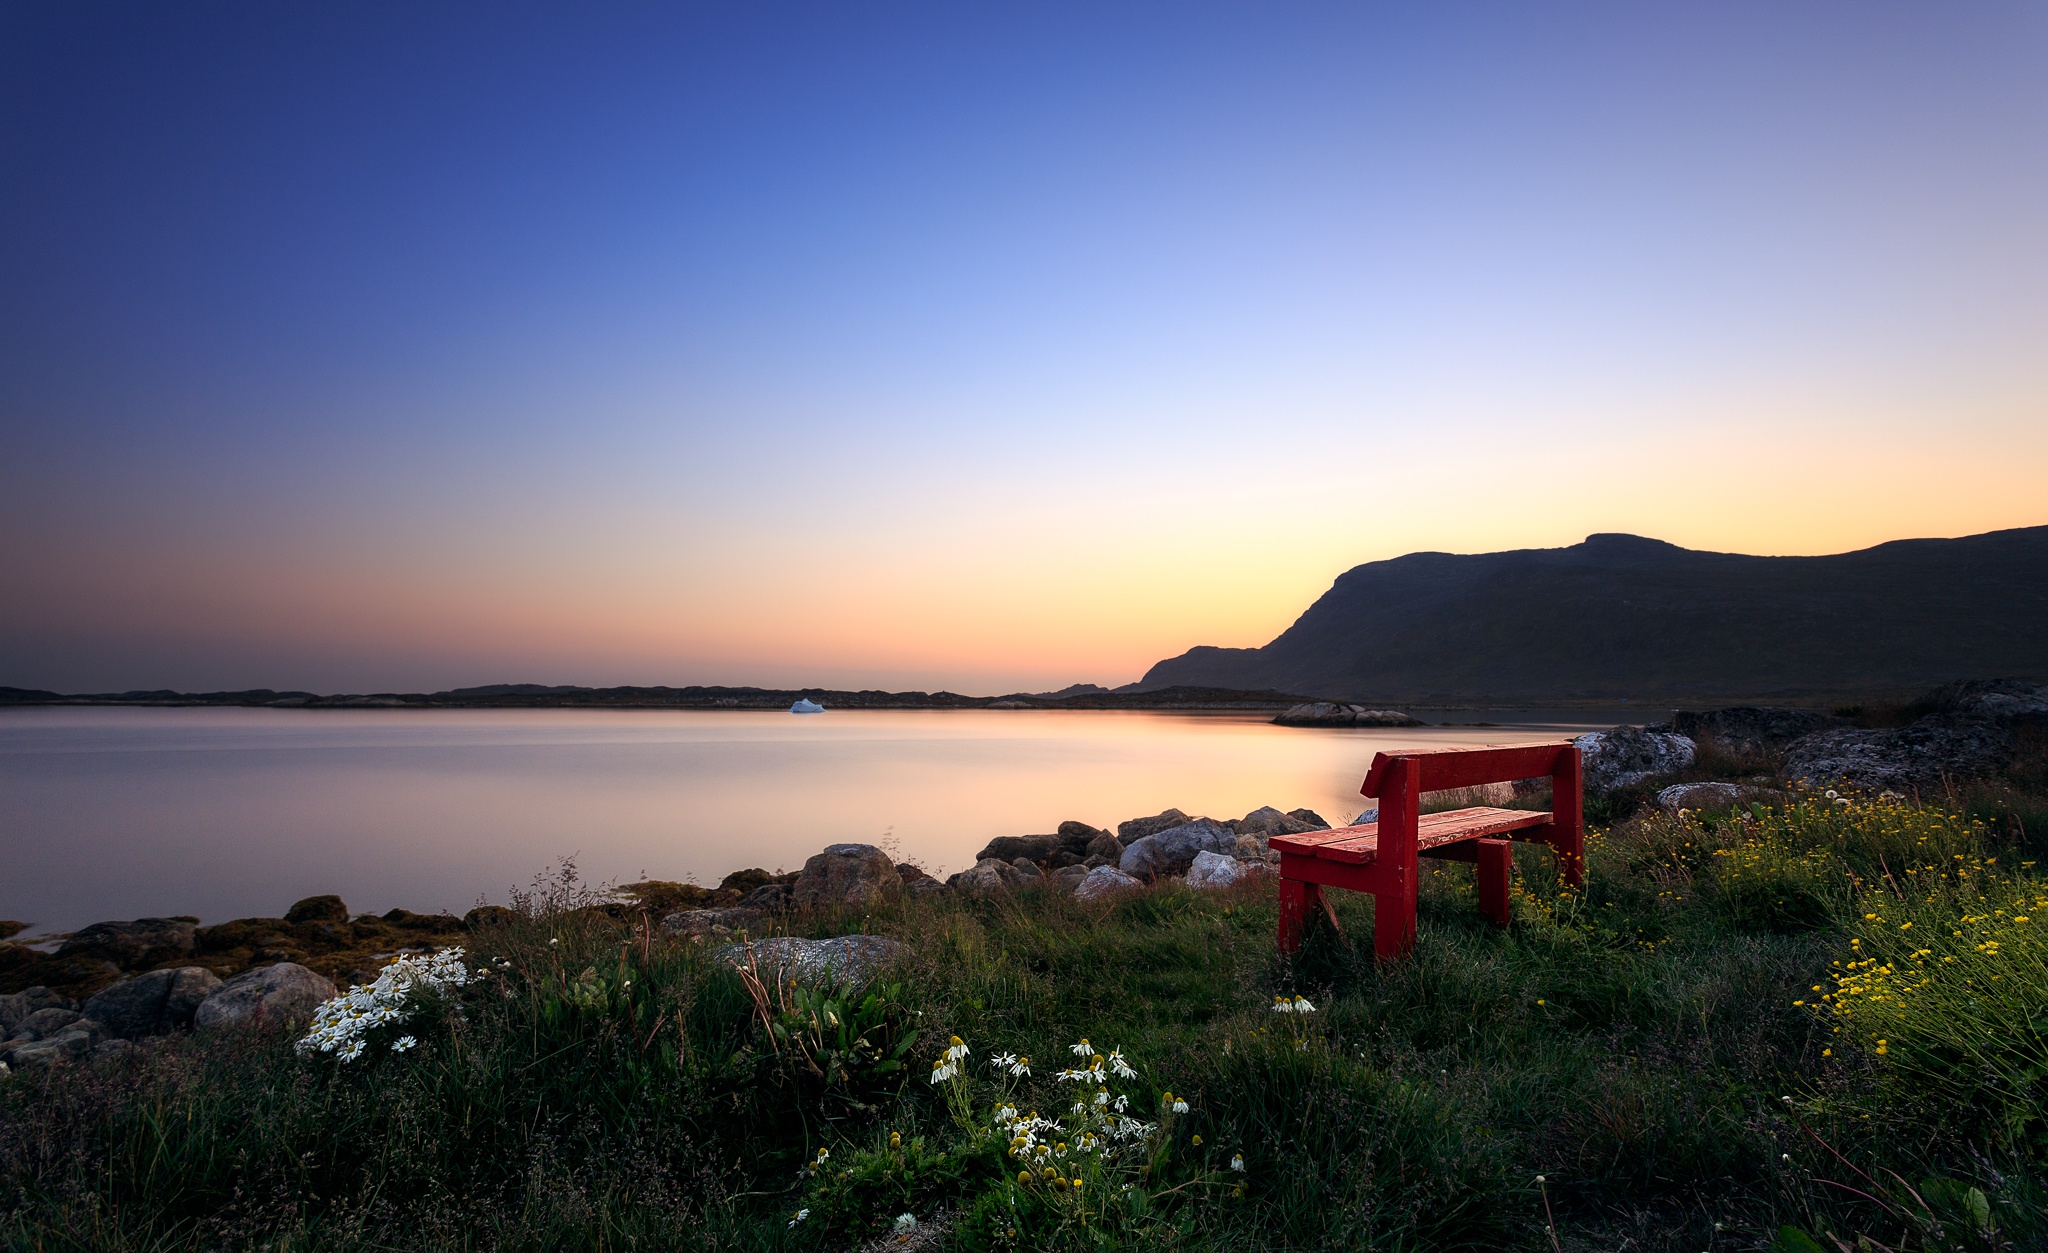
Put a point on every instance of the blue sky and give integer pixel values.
(376, 346)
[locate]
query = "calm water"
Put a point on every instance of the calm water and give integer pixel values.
(230, 813)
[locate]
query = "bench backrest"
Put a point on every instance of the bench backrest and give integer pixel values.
(1438, 769)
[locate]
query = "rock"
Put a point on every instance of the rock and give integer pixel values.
(921, 889)
(858, 875)
(1173, 850)
(989, 876)
(1268, 821)
(485, 916)
(1136, 829)
(113, 1050)
(154, 1003)
(135, 945)
(702, 924)
(1104, 881)
(1309, 816)
(1365, 816)
(1323, 713)
(1995, 700)
(907, 871)
(1628, 755)
(1097, 859)
(272, 995)
(1079, 835)
(770, 897)
(66, 1043)
(1027, 870)
(1751, 729)
(43, 1023)
(1105, 846)
(1011, 847)
(1919, 758)
(17, 1006)
(856, 957)
(317, 909)
(745, 881)
(1252, 848)
(1214, 870)
(1701, 797)
(1067, 878)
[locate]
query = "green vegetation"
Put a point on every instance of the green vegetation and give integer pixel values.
(1612, 1071)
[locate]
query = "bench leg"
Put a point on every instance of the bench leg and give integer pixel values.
(1493, 869)
(1297, 901)
(1393, 925)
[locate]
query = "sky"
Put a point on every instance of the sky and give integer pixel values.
(378, 347)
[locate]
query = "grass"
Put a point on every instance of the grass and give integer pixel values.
(1632, 1045)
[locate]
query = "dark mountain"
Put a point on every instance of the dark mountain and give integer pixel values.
(1620, 616)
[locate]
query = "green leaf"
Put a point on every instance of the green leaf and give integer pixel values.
(1793, 1240)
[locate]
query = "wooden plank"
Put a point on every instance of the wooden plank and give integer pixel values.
(1444, 768)
(1433, 830)
(1309, 841)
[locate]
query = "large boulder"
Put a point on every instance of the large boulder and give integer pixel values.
(1214, 870)
(44, 1022)
(1173, 850)
(1628, 755)
(854, 957)
(317, 909)
(1324, 713)
(1267, 822)
(136, 945)
(154, 1003)
(1011, 847)
(1136, 829)
(719, 924)
(270, 996)
(1104, 881)
(1995, 700)
(1750, 729)
(1919, 758)
(17, 1006)
(989, 876)
(846, 874)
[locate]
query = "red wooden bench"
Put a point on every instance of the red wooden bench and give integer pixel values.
(1380, 857)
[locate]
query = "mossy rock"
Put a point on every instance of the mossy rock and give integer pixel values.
(318, 909)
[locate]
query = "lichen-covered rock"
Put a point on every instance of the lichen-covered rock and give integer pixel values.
(1214, 870)
(1701, 797)
(1920, 758)
(1105, 881)
(1994, 700)
(1324, 713)
(1753, 729)
(846, 874)
(856, 957)
(1173, 850)
(271, 996)
(1628, 755)
(154, 1003)
(136, 945)
(16, 1006)
(1128, 833)
(710, 924)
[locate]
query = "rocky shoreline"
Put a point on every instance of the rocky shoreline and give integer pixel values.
(111, 985)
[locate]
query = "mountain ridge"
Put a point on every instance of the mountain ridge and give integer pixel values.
(1625, 616)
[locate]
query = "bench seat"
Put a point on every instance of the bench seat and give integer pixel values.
(1360, 845)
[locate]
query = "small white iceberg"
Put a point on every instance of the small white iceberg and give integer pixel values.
(803, 706)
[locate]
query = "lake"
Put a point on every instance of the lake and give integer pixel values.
(225, 813)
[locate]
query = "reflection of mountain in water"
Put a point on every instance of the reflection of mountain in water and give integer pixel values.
(1624, 617)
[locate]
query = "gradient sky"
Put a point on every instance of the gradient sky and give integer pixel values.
(376, 346)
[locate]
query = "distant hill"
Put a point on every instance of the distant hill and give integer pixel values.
(1624, 617)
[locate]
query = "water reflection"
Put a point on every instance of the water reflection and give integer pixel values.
(230, 813)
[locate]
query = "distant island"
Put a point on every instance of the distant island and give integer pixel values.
(1623, 617)
(538, 696)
